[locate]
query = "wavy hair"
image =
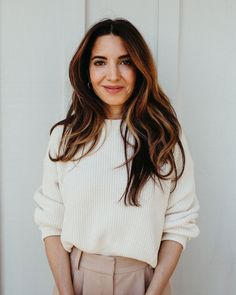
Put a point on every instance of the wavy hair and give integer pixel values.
(148, 113)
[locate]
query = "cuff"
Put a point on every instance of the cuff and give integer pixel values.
(180, 239)
(49, 231)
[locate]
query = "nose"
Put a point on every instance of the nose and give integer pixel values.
(113, 72)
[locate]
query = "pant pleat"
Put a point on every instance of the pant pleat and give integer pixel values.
(92, 275)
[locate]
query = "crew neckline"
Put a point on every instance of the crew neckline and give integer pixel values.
(119, 119)
(113, 123)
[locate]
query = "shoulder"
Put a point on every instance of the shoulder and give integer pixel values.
(184, 141)
(183, 159)
(56, 132)
(55, 138)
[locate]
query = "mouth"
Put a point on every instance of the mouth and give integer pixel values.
(113, 89)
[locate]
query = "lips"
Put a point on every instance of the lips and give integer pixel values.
(113, 89)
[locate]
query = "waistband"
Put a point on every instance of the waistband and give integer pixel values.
(105, 264)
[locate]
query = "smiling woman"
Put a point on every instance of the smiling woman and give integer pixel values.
(112, 73)
(117, 204)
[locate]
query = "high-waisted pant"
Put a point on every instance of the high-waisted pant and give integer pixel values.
(94, 274)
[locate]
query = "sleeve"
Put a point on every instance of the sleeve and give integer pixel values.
(49, 211)
(183, 205)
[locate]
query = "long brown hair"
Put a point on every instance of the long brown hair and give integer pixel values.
(148, 113)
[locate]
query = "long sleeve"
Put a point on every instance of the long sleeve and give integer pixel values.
(81, 203)
(49, 212)
(183, 205)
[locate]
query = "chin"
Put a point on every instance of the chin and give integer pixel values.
(113, 103)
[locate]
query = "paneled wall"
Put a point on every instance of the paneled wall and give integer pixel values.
(193, 43)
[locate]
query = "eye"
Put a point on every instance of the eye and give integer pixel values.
(98, 63)
(127, 62)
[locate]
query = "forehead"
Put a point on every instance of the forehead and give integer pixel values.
(109, 45)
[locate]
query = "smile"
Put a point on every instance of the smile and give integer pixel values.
(113, 89)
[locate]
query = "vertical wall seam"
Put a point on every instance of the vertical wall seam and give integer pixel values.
(158, 33)
(69, 29)
(63, 102)
(1, 138)
(86, 8)
(179, 48)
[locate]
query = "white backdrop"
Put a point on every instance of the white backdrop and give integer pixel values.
(194, 46)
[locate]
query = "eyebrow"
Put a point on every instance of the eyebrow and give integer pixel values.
(103, 57)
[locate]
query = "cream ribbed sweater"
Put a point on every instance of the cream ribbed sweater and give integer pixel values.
(80, 203)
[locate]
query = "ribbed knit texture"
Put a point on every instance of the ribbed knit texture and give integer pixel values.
(80, 202)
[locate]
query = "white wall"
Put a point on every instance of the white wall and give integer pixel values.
(37, 38)
(207, 103)
(193, 43)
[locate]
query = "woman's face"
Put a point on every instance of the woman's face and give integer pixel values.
(112, 73)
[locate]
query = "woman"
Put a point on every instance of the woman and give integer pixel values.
(117, 202)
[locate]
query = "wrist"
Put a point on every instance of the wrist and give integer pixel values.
(152, 292)
(67, 291)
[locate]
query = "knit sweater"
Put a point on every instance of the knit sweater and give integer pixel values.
(80, 202)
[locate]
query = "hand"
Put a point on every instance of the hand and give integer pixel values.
(152, 292)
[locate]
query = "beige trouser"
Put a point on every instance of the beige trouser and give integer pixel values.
(94, 274)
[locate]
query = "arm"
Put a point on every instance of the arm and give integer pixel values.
(59, 262)
(48, 215)
(168, 258)
(180, 223)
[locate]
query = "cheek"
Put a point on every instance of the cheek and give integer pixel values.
(95, 74)
(131, 78)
